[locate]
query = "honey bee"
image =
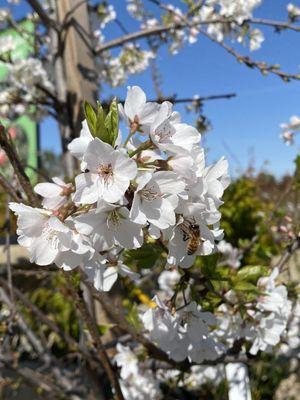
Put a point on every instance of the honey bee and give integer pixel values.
(191, 235)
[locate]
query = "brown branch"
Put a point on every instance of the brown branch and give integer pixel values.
(274, 24)
(262, 66)
(144, 33)
(32, 377)
(92, 327)
(290, 250)
(232, 354)
(9, 189)
(161, 29)
(51, 324)
(65, 384)
(176, 100)
(17, 166)
(49, 22)
(7, 250)
(115, 314)
(181, 100)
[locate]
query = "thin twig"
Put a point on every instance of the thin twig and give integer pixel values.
(290, 250)
(51, 324)
(17, 166)
(85, 314)
(34, 378)
(49, 22)
(50, 361)
(8, 188)
(161, 29)
(115, 314)
(263, 67)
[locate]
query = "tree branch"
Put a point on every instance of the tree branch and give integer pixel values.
(49, 22)
(17, 166)
(161, 29)
(51, 324)
(85, 314)
(262, 66)
(9, 189)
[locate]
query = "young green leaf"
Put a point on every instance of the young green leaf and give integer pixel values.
(251, 273)
(91, 117)
(112, 122)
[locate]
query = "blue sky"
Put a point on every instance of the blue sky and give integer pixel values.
(243, 128)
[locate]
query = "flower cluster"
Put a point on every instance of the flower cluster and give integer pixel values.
(234, 14)
(293, 11)
(182, 334)
(154, 185)
(266, 317)
(135, 383)
(26, 82)
(115, 70)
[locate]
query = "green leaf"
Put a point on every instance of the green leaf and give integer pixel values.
(244, 286)
(91, 117)
(112, 123)
(102, 329)
(101, 132)
(144, 257)
(251, 273)
(133, 317)
(210, 265)
(103, 127)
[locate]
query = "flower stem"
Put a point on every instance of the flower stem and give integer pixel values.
(144, 146)
(130, 134)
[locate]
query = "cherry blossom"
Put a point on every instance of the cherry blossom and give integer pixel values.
(137, 113)
(110, 172)
(55, 194)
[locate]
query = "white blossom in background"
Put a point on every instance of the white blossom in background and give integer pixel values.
(183, 334)
(291, 338)
(167, 281)
(271, 315)
(290, 129)
(204, 375)
(26, 74)
(136, 384)
(230, 255)
(256, 39)
(294, 11)
(7, 44)
(238, 9)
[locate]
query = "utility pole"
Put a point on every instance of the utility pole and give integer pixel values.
(74, 68)
(78, 57)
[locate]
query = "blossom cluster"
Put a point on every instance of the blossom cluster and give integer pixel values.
(189, 332)
(197, 335)
(234, 13)
(145, 182)
(27, 80)
(155, 184)
(183, 334)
